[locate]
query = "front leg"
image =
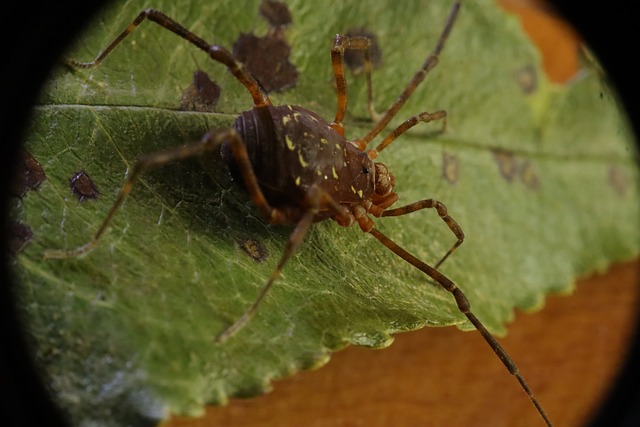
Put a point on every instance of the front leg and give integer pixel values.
(442, 212)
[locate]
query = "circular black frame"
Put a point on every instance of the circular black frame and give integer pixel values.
(42, 30)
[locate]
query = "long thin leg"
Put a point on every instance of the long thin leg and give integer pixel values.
(295, 240)
(210, 142)
(340, 45)
(465, 308)
(217, 53)
(405, 126)
(429, 63)
(318, 200)
(442, 212)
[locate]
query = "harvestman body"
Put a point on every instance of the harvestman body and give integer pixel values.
(299, 168)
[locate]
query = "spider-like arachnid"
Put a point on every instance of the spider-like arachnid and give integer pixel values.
(299, 168)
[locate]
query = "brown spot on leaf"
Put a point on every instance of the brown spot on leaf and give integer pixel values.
(354, 59)
(528, 175)
(202, 95)
(512, 167)
(276, 13)
(527, 79)
(618, 180)
(507, 164)
(83, 187)
(267, 59)
(254, 249)
(450, 167)
(29, 175)
(19, 236)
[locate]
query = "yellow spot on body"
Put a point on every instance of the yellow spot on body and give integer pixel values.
(353, 189)
(285, 120)
(303, 163)
(324, 140)
(295, 116)
(290, 145)
(360, 193)
(333, 171)
(298, 181)
(290, 108)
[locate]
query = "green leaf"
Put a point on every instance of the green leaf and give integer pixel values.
(542, 179)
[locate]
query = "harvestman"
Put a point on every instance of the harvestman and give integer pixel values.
(299, 169)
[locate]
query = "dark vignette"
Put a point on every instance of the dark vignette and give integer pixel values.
(40, 33)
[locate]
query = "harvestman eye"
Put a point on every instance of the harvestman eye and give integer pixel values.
(309, 196)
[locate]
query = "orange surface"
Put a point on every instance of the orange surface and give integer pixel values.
(569, 352)
(557, 40)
